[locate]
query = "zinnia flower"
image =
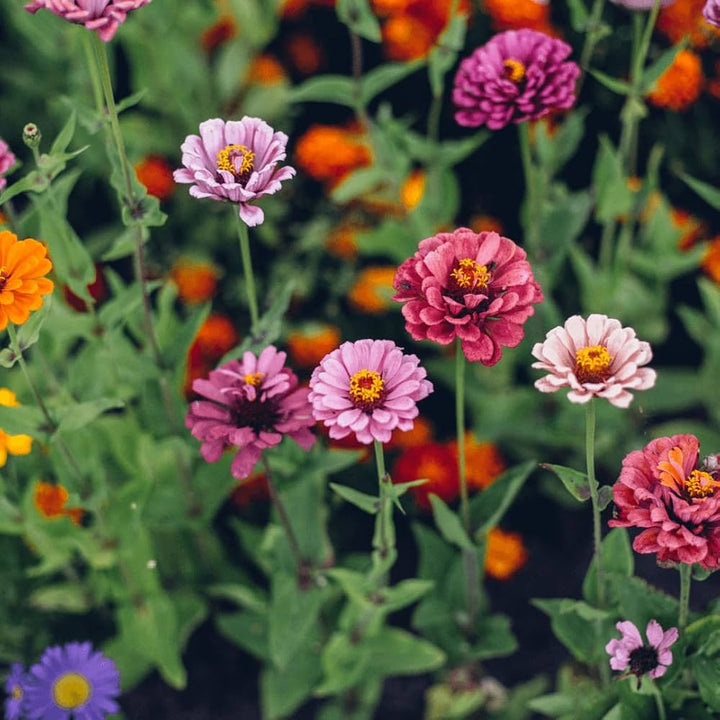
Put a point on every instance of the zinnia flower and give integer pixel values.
(684, 18)
(711, 12)
(518, 75)
(476, 287)
(251, 404)
(368, 388)
(594, 357)
(155, 173)
(72, 681)
(12, 444)
(631, 654)
(7, 160)
(431, 461)
(50, 501)
(681, 84)
(236, 161)
(102, 16)
(373, 289)
(664, 490)
(309, 346)
(15, 689)
(196, 280)
(641, 4)
(515, 14)
(23, 265)
(505, 554)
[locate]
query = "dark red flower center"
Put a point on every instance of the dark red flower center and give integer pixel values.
(643, 660)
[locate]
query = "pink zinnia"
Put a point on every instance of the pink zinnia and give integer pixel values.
(663, 489)
(102, 16)
(711, 12)
(7, 160)
(630, 653)
(594, 357)
(368, 388)
(641, 4)
(236, 161)
(476, 287)
(518, 75)
(251, 404)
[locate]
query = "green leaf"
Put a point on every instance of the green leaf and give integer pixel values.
(326, 88)
(64, 137)
(404, 593)
(605, 496)
(707, 671)
(449, 524)
(385, 76)
(74, 417)
(576, 483)
(613, 197)
(358, 183)
(444, 53)
(496, 638)
(249, 598)
(451, 152)
(248, 630)
(23, 420)
(29, 332)
(579, 15)
(368, 503)
(359, 17)
(618, 559)
(708, 193)
(397, 652)
(488, 507)
(66, 597)
(640, 602)
(125, 244)
(621, 87)
(666, 59)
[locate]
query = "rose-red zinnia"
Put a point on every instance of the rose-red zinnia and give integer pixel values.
(476, 287)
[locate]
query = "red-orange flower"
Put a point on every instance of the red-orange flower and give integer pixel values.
(342, 242)
(217, 335)
(224, 29)
(155, 173)
(681, 84)
(23, 265)
(373, 290)
(485, 223)
(420, 434)
(516, 14)
(50, 501)
(196, 280)
(505, 554)
(711, 259)
(413, 189)
(304, 53)
(308, 347)
(483, 462)
(434, 462)
(266, 69)
(685, 17)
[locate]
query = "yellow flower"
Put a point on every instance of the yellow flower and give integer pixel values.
(13, 444)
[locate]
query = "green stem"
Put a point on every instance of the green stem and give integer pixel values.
(92, 66)
(533, 211)
(685, 581)
(460, 430)
(597, 536)
(357, 72)
(591, 37)
(659, 702)
(384, 536)
(249, 276)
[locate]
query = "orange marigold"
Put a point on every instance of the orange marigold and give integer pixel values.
(505, 554)
(373, 289)
(12, 444)
(515, 14)
(308, 347)
(420, 433)
(266, 69)
(681, 84)
(155, 173)
(413, 189)
(196, 280)
(483, 462)
(684, 17)
(328, 153)
(433, 462)
(50, 501)
(341, 242)
(23, 265)
(710, 262)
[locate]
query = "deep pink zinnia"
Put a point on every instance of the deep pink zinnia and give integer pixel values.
(251, 404)
(641, 4)
(518, 75)
(594, 357)
(368, 388)
(711, 12)
(7, 160)
(102, 16)
(235, 161)
(631, 654)
(476, 287)
(664, 490)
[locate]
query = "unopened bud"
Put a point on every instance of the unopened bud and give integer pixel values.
(32, 135)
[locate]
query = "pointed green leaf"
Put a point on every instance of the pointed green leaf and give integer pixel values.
(575, 482)
(449, 525)
(368, 503)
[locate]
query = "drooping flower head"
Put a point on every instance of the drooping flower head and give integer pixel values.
(15, 689)
(7, 160)
(476, 287)
(594, 357)
(235, 161)
(711, 12)
(12, 444)
(631, 654)
(102, 16)
(368, 388)
(666, 490)
(72, 681)
(518, 75)
(250, 404)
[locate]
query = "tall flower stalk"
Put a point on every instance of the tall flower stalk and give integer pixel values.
(249, 276)
(590, 465)
(685, 570)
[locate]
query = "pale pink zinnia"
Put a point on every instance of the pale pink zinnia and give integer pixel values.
(476, 287)
(631, 654)
(518, 75)
(594, 357)
(250, 404)
(102, 16)
(711, 12)
(7, 160)
(235, 161)
(368, 388)
(665, 490)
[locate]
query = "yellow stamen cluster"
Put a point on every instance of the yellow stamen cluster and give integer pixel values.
(469, 275)
(71, 690)
(17, 692)
(592, 363)
(366, 387)
(226, 156)
(700, 484)
(253, 378)
(514, 70)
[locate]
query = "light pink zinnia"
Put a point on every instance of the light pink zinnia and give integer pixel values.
(102, 16)
(663, 489)
(594, 357)
(236, 161)
(711, 12)
(476, 287)
(251, 404)
(630, 653)
(641, 4)
(7, 160)
(518, 75)
(368, 388)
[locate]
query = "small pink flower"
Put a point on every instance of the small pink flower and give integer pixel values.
(235, 161)
(674, 498)
(594, 357)
(7, 160)
(102, 16)
(631, 654)
(368, 388)
(711, 12)
(518, 75)
(476, 287)
(251, 404)
(641, 4)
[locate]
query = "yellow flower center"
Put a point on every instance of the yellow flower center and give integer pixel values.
(469, 275)
(17, 692)
(700, 484)
(236, 159)
(366, 388)
(514, 70)
(71, 690)
(253, 378)
(592, 364)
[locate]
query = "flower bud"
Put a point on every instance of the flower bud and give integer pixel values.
(32, 135)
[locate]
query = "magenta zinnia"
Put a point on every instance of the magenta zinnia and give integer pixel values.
(476, 287)
(235, 161)
(665, 490)
(631, 654)
(711, 12)
(518, 75)
(250, 404)
(102, 16)
(7, 160)
(594, 357)
(368, 388)
(641, 4)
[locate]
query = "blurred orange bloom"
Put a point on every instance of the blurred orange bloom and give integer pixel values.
(710, 262)
(516, 14)
(421, 433)
(485, 223)
(217, 335)
(413, 189)
(308, 347)
(483, 462)
(226, 28)
(505, 554)
(266, 69)
(684, 17)
(432, 461)
(304, 53)
(373, 289)
(155, 173)
(692, 228)
(23, 266)
(681, 84)
(196, 280)
(251, 490)
(341, 241)
(12, 444)
(50, 501)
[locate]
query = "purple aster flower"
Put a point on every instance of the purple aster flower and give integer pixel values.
(102, 16)
(711, 12)
(641, 4)
(518, 75)
(251, 404)
(7, 160)
(74, 681)
(629, 653)
(236, 161)
(15, 689)
(368, 388)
